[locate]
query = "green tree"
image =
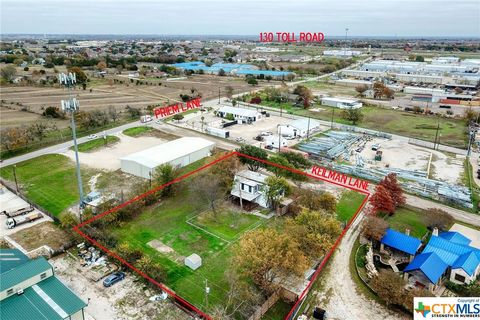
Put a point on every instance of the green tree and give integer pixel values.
(315, 231)
(164, 174)
(80, 75)
(252, 81)
(8, 72)
(276, 189)
(221, 72)
(178, 117)
(255, 152)
(268, 257)
(352, 114)
(419, 58)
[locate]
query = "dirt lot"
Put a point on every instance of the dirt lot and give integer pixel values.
(399, 154)
(109, 158)
(126, 299)
(45, 233)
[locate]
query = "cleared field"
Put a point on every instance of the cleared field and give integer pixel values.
(46, 233)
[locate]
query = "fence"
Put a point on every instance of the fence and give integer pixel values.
(9, 186)
(265, 307)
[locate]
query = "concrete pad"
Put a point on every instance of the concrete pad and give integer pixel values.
(10, 202)
(468, 232)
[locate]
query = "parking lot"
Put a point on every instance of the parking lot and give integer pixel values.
(243, 133)
(11, 202)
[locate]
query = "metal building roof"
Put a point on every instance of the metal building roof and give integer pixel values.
(430, 264)
(238, 111)
(401, 241)
(50, 299)
(11, 258)
(23, 272)
(166, 152)
(455, 237)
(454, 254)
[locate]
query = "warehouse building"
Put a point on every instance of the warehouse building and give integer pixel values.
(29, 289)
(341, 103)
(239, 114)
(178, 153)
(299, 128)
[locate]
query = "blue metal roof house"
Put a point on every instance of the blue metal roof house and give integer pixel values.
(30, 290)
(400, 242)
(446, 256)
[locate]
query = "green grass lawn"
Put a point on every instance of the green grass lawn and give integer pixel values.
(49, 181)
(228, 225)
(408, 218)
(96, 144)
(278, 311)
(348, 204)
(136, 131)
(168, 224)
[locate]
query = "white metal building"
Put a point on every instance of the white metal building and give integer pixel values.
(341, 103)
(300, 127)
(178, 153)
(242, 114)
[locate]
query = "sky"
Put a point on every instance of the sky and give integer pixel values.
(452, 18)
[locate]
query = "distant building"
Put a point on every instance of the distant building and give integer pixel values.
(242, 114)
(341, 103)
(299, 128)
(342, 53)
(178, 153)
(29, 289)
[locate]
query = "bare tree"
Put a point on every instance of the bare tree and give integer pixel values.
(113, 113)
(210, 189)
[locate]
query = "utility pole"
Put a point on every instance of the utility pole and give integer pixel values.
(333, 113)
(279, 137)
(207, 291)
(71, 105)
(345, 50)
(436, 137)
(218, 95)
(14, 168)
(308, 128)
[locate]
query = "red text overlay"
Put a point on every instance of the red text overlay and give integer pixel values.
(292, 37)
(176, 108)
(340, 178)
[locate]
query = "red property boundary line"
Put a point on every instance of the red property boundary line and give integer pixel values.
(184, 302)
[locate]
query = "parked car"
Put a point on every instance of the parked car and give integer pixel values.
(266, 133)
(240, 139)
(269, 147)
(92, 136)
(113, 278)
(375, 147)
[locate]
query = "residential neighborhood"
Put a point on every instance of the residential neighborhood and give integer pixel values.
(236, 160)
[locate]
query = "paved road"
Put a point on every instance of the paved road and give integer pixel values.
(58, 148)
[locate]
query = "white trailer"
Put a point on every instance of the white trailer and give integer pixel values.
(18, 212)
(13, 222)
(218, 132)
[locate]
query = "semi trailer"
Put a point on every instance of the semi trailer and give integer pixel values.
(18, 212)
(16, 221)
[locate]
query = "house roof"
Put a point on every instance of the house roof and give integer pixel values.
(23, 272)
(430, 264)
(305, 124)
(454, 254)
(401, 241)
(238, 111)
(455, 237)
(169, 151)
(49, 299)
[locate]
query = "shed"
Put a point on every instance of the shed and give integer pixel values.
(178, 153)
(193, 261)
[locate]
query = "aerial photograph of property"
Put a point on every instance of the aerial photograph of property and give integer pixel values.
(239, 160)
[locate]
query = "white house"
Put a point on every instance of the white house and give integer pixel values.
(342, 103)
(178, 153)
(251, 186)
(241, 114)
